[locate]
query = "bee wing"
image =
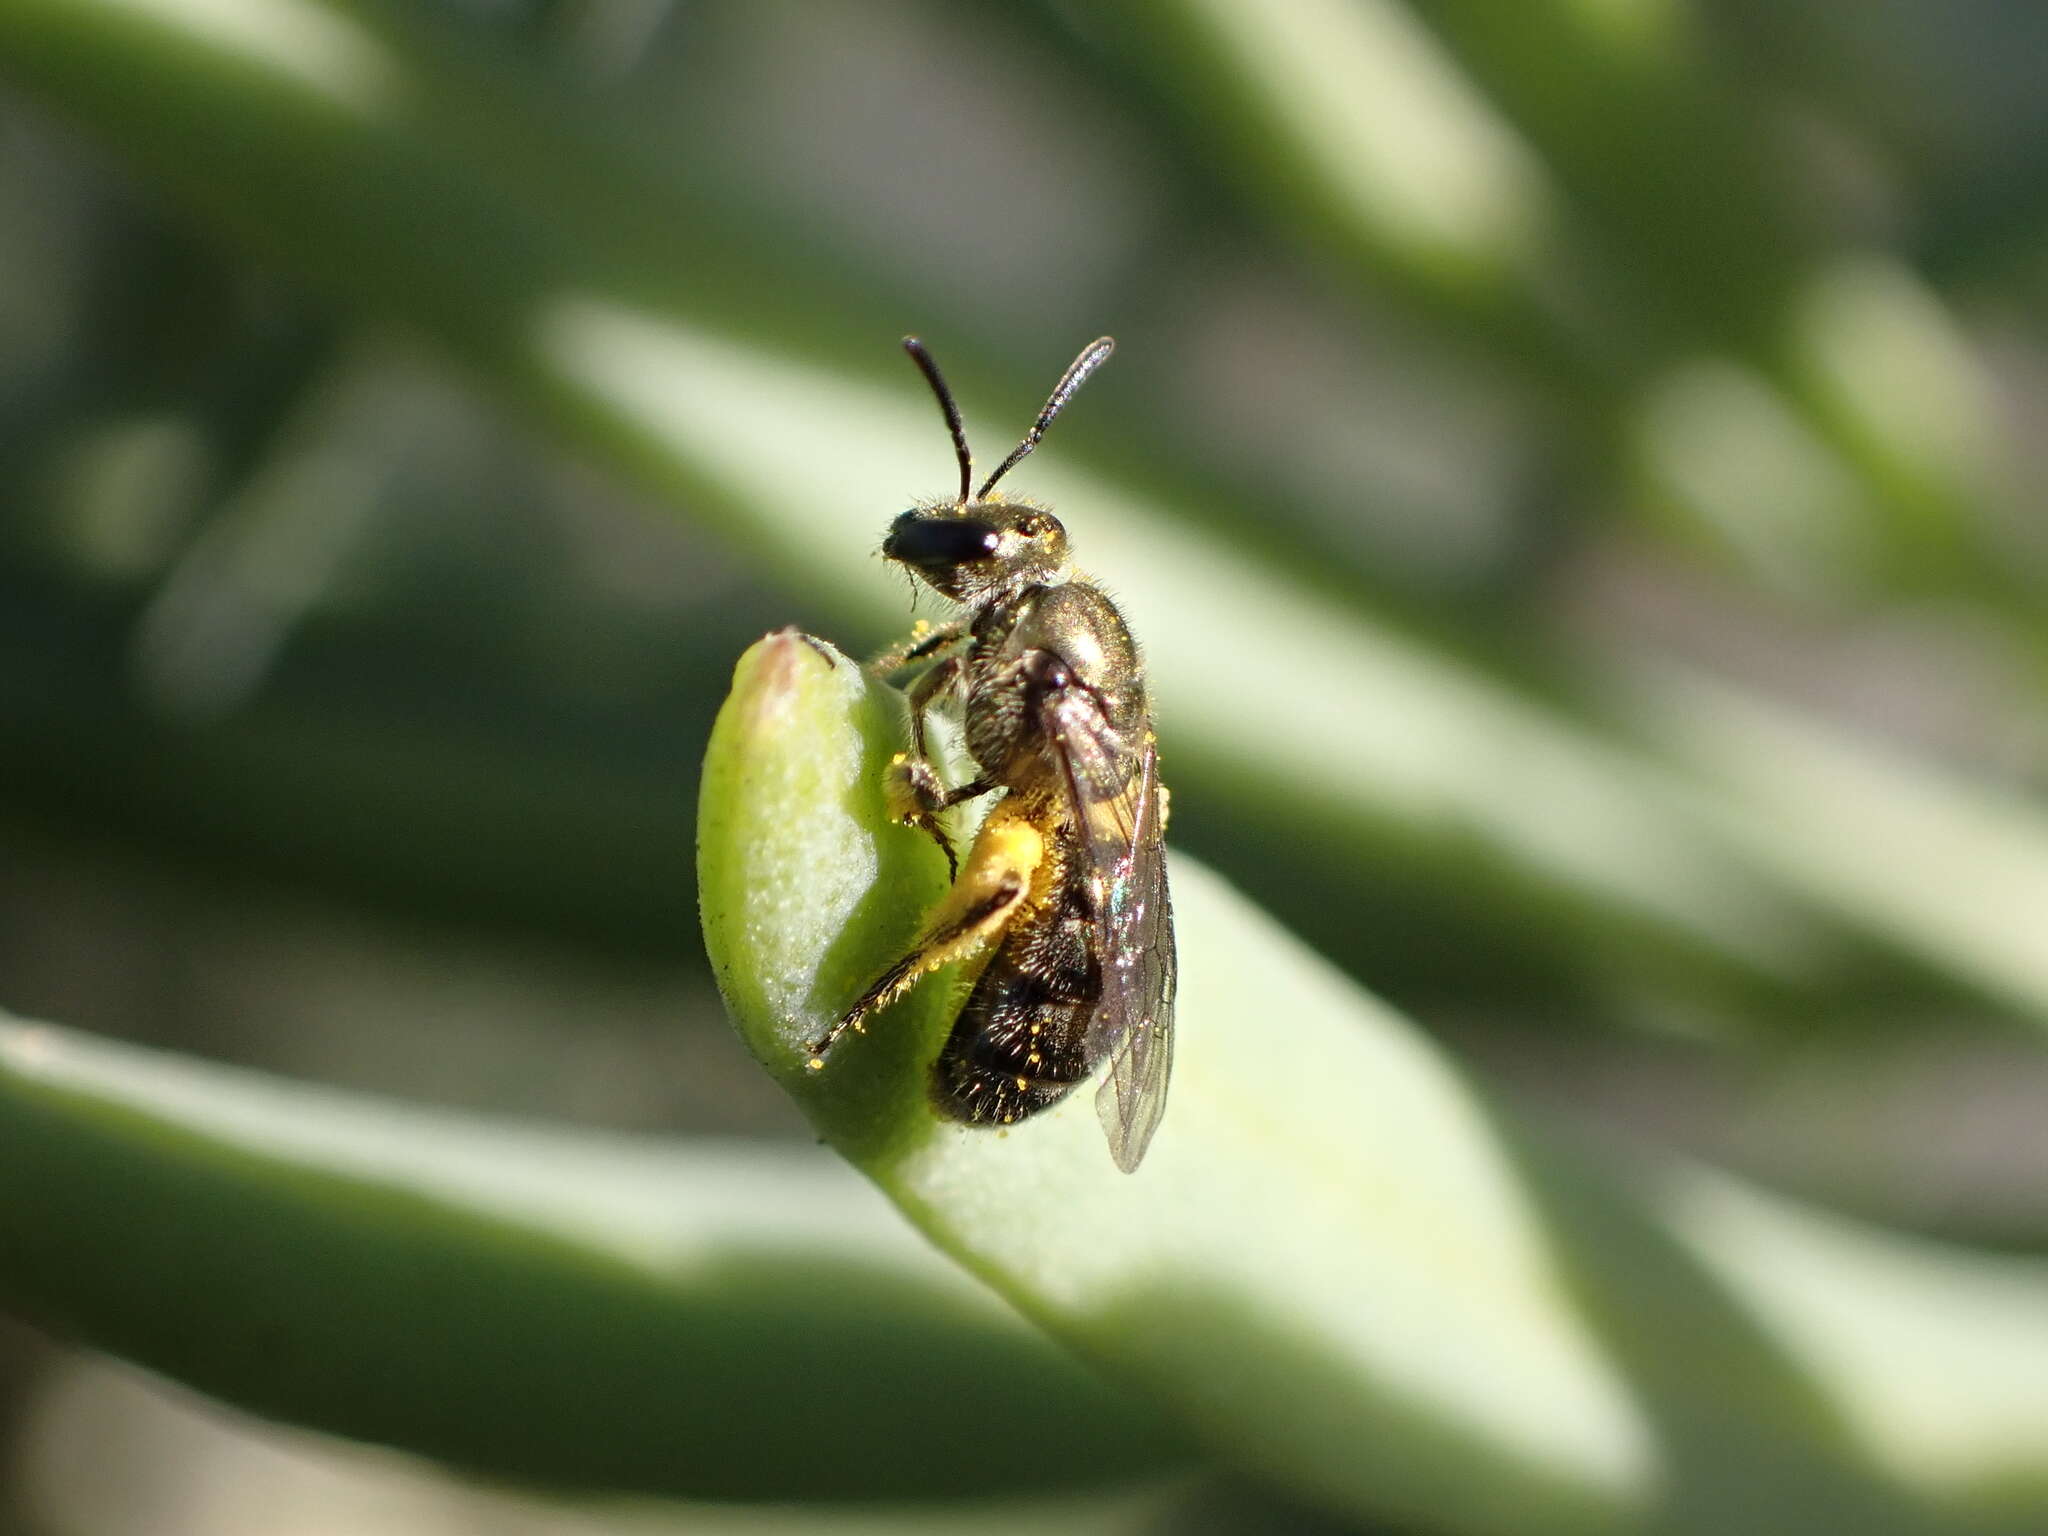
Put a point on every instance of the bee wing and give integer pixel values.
(1123, 859)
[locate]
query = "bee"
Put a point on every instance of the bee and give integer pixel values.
(1063, 894)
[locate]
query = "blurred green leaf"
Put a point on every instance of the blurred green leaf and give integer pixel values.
(1339, 1262)
(734, 1321)
(1576, 190)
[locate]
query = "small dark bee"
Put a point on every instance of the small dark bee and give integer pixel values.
(1064, 890)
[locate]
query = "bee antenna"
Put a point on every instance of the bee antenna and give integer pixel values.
(929, 367)
(1092, 357)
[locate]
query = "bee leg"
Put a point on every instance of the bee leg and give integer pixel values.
(947, 942)
(915, 797)
(915, 792)
(923, 694)
(968, 791)
(998, 879)
(924, 640)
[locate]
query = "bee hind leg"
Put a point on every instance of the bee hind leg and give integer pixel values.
(950, 939)
(997, 881)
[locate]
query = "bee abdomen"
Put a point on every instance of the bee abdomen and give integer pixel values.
(1017, 1046)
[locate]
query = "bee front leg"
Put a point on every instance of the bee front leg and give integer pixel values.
(915, 792)
(924, 641)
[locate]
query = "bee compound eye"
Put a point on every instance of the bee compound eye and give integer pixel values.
(935, 542)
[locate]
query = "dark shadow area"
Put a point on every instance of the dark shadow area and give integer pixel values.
(1227, 1505)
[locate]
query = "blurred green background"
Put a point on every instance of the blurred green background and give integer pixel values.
(1606, 431)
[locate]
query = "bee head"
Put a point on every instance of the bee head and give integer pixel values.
(978, 549)
(980, 545)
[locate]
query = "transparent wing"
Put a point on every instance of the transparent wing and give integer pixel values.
(1122, 851)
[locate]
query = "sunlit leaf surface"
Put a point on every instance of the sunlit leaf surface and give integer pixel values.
(1340, 1260)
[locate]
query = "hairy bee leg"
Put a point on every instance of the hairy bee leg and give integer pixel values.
(916, 792)
(923, 641)
(968, 791)
(915, 797)
(923, 694)
(998, 879)
(947, 943)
